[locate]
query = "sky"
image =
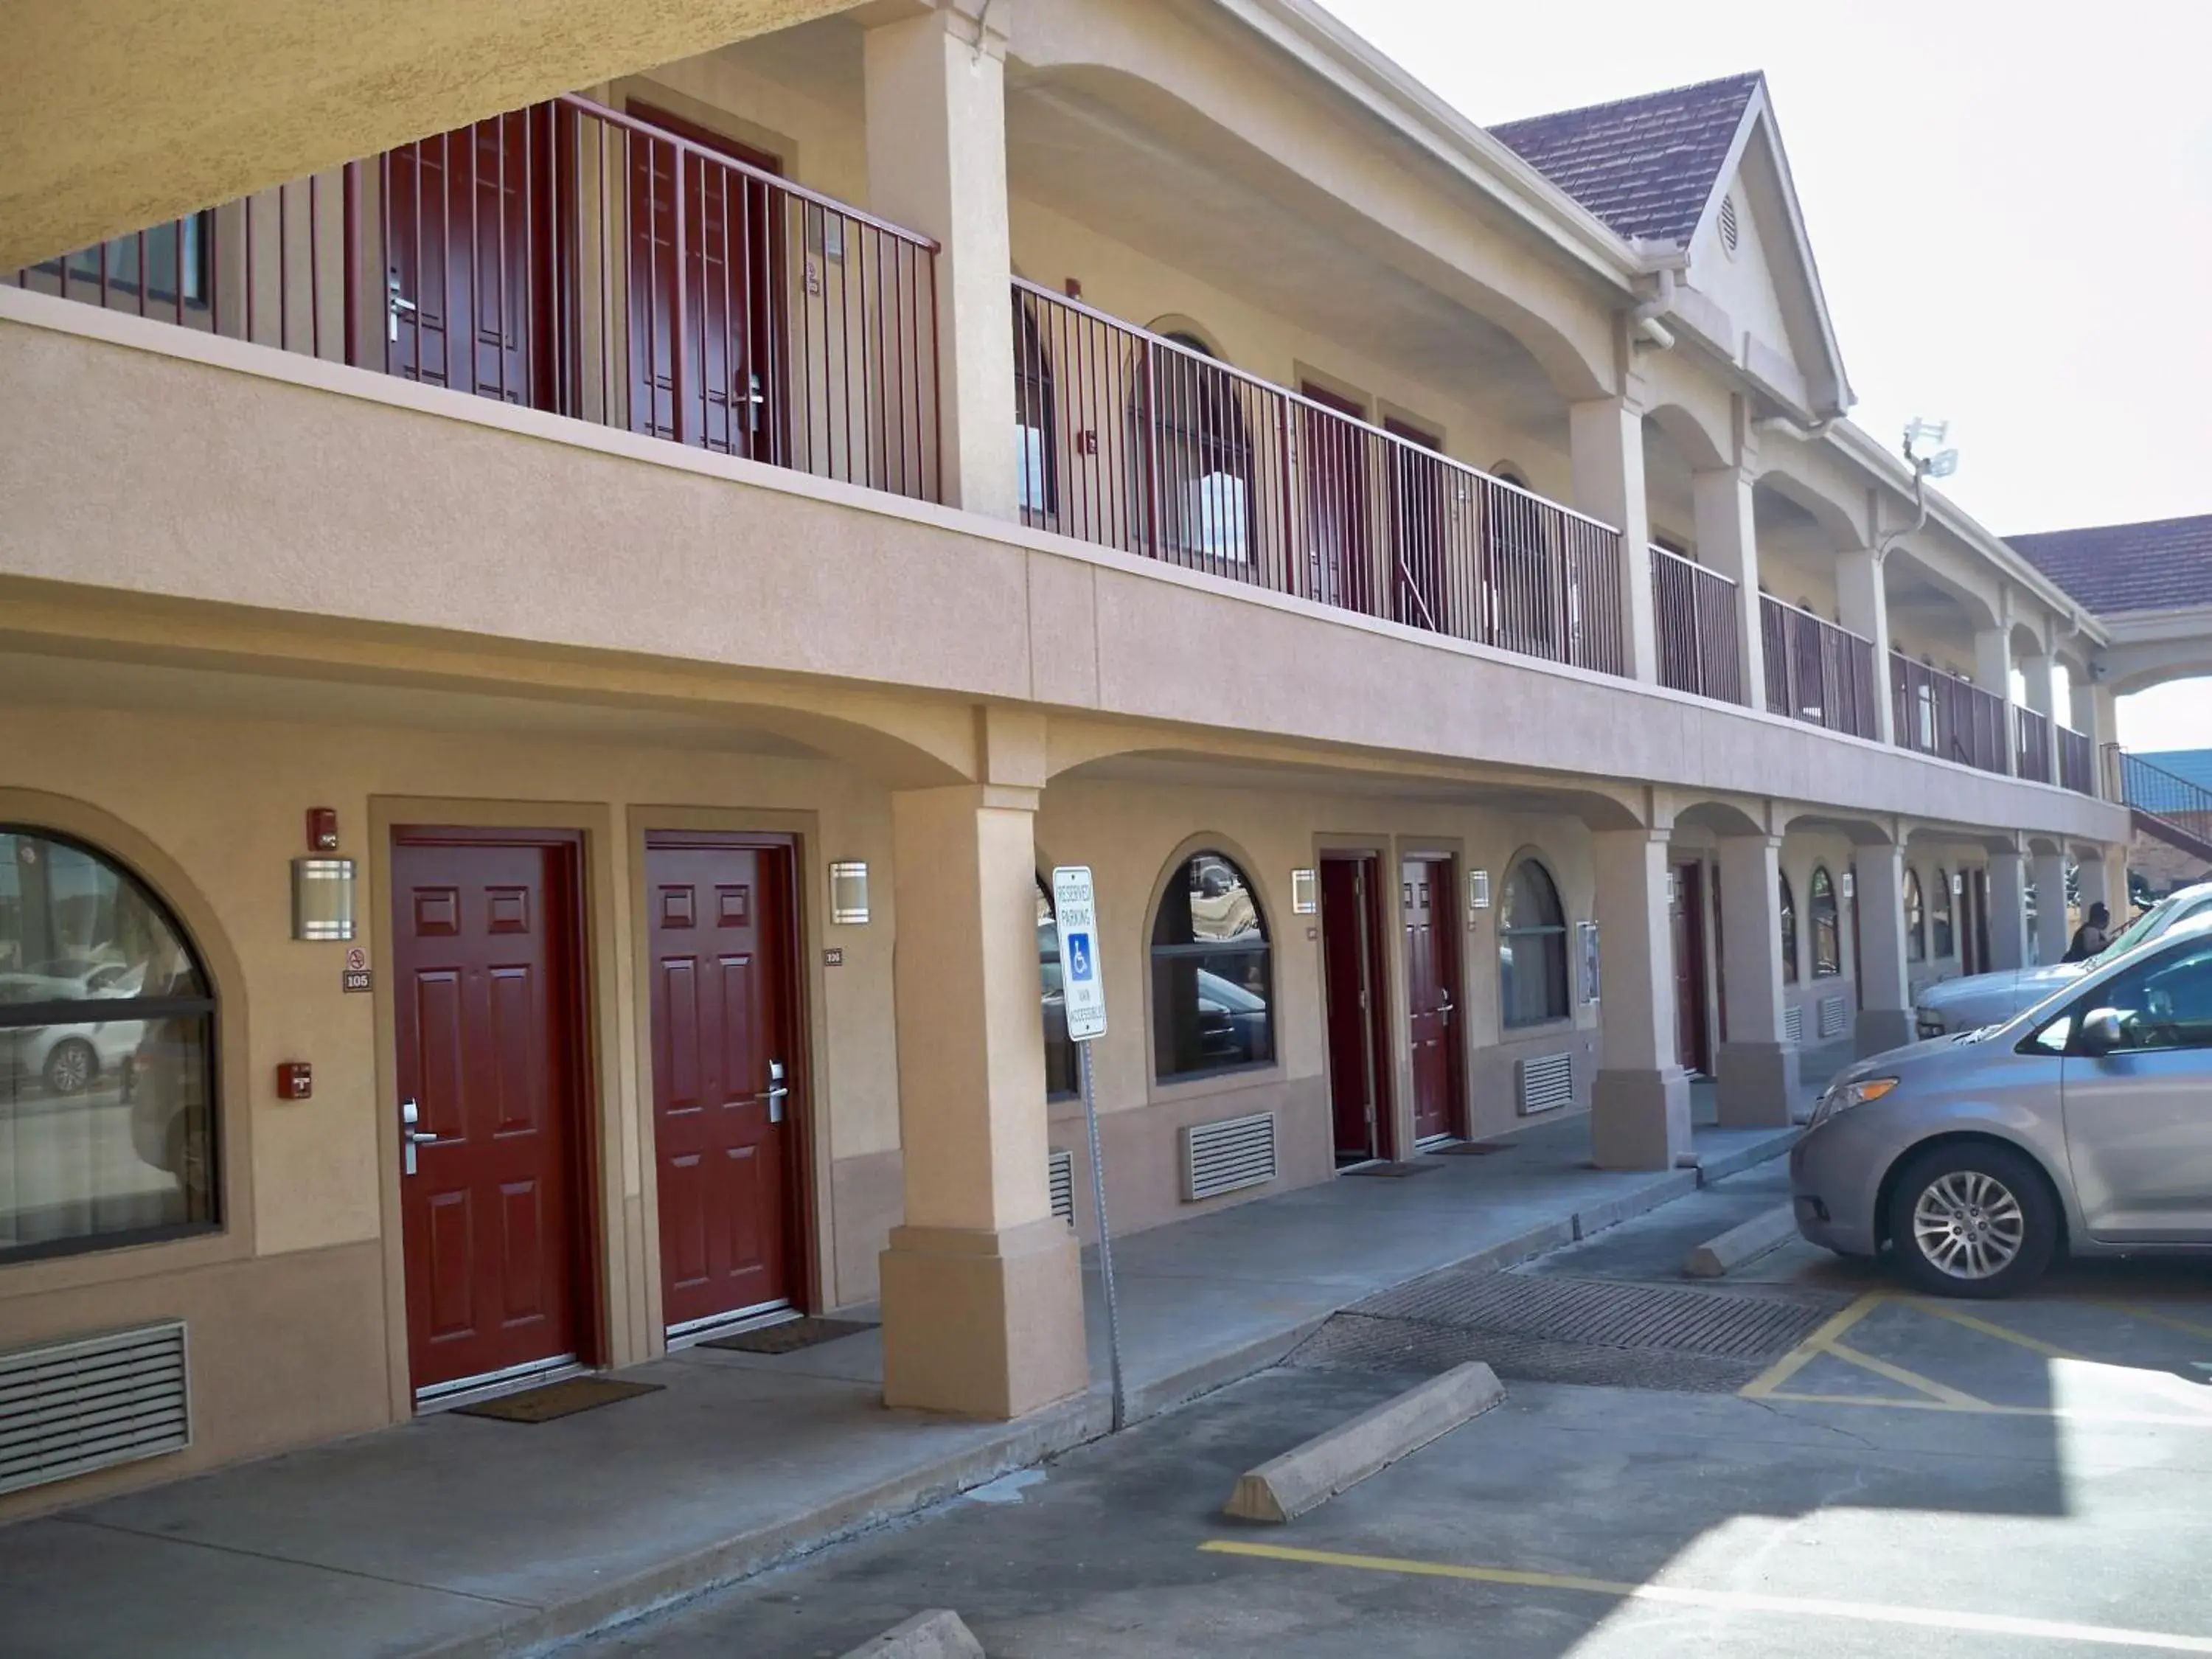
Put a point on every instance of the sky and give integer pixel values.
(2010, 206)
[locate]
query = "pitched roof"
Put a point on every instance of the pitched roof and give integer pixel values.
(1645, 166)
(2164, 564)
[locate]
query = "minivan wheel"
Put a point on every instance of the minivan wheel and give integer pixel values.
(1973, 1219)
(72, 1066)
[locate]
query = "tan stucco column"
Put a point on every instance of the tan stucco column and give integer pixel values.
(1863, 597)
(937, 163)
(1640, 1101)
(1605, 451)
(2051, 934)
(1885, 984)
(2095, 716)
(1756, 1073)
(2104, 880)
(1992, 659)
(982, 1286)
(1721, 504)
(2008, 910)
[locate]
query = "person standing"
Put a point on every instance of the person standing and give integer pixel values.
(2091, 936)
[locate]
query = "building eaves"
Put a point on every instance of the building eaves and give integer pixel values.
(2160, 564)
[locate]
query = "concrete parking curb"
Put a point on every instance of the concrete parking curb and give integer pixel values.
(936, 1634)
(1309, 1475)
(1718, 1257)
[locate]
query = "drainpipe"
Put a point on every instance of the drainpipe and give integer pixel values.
(1645, 326)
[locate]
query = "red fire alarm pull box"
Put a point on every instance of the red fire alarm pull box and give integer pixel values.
(295, 1080)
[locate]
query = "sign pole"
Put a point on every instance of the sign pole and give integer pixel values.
(1105, 1239)
(1082, 1000)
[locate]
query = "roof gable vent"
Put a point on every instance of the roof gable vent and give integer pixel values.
(1731, 231)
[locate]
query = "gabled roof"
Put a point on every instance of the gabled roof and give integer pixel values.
(2164, 564)
(1645, 166)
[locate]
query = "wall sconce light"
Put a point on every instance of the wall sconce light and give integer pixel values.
(322, 898)
(1851, 885)
(1303, 893)
(1478, 890)
(1958, 883)
(1674, 889)
(848, 893)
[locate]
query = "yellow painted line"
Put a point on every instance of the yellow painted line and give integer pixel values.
(1873, 1613)
(2061, 1414)
(1882, 1368)
(2188, 1327)
(2003, 1333)
(1812, 1348)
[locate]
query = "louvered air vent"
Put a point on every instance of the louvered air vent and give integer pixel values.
(73, 1407)
(1220, 1157)
(1793, 1024)
(1545, 1083)
(1835, 1014)
(1061, 1166)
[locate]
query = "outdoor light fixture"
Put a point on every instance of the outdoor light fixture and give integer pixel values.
(322, 898)
(1478, 890)
(1850, 884)
(1940, 464)
(849, 892)
(1303, 901)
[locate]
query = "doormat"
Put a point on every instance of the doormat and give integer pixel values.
(578, 1394)
(1472, 1149)
(790, 1336)
(1389, 1170)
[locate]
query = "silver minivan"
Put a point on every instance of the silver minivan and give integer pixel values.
(2083, 1124)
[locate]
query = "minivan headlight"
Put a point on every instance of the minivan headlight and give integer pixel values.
(1843, 1096)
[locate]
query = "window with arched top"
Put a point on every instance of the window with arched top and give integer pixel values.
(107, 1056)
(1532, 949)
(1203, 449)
(1788, 901)
(1827, 932)
(1941, 941)
(1213, 990)
(1037, 458)
(1062, 1076)
(1915, 919)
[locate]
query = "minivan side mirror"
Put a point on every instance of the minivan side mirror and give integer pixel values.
(2101, 1032)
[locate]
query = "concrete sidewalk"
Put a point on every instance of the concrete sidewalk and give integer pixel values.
(454, 1535)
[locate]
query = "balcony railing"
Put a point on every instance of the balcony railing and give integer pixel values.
(571, 258)
(1135, 441)
(1940, 714)
(1700, 638)
(2032, 756)
(1816, 671)
(2077, 761)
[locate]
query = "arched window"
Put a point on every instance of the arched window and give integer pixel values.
(1789, 933)
(1036, 457)
(1941, 942)
(1062, 1074)
(1212, 983)
(1827, 936)
(107, 1056)
(1532, 949)
(1204, 481)
(1915, 919)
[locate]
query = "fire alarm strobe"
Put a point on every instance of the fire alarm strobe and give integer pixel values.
(295, 1080)
(322, 829)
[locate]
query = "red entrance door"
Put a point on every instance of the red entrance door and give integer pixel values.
(494, 1209)
(722, 916)
(1335, 466)
(1432, 996)
(1691, 1045)
(1352, 987)
(725, 397)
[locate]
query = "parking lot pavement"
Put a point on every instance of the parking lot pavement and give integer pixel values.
(2026, 1477)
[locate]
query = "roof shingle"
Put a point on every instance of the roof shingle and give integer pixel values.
(2163, 564)
(1645, 166)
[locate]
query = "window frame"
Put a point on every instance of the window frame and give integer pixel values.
(2076, 1011)
(1823, 887)
(1942, 920)
(1786, 926)
(1915, 917)
(1555, 936)
(1158, 983)
(1056, 1089)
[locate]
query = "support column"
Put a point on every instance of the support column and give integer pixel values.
(2052, 934)
(1721, 505)
(1863, 597)
(1992, 659)
(982, 1286)
(1640, 1102)
(1885, 986)
(936, 112)
(2104, 880)
(2041, 675)
(1756, 1077)
(2008, 910)
(1606, 450)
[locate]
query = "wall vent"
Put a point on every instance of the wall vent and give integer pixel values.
(1793, 1024)
(1545, 1083)
(1731, 230)
(1223, 1157)
(1835, 1015)
(1060, 1168)
(72, 1407)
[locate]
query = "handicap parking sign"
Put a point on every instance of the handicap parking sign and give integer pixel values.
(1075, 909)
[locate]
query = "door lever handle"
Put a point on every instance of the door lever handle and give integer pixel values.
(778, 1091)
(409, 1136)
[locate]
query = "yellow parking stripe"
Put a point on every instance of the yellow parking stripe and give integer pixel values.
(2187, 1328)
(1927, 1385)
(1876, 1612)
(2060, 1414)
(1812, 1348)
(2003, 1333)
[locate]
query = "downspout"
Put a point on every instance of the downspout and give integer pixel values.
(1644, 327)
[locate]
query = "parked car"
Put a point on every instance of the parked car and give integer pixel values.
(2079, 1124)
(1979, 999)
(69, 1059)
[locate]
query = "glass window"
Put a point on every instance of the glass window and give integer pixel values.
(1036, 461)
(2163, 1003)
(175, 256)
(1531, 948)
(1941, 941)
(1204, 455)
(1915, 919)
(1212, 983)
(1827, 936)
(1061, 1076)
(107, 1057)
(1789, 933)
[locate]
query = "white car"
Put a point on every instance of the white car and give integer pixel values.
(68, 1059)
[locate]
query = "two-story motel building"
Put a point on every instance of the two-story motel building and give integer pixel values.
(700, 543)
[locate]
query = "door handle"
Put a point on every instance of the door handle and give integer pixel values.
(393, 305)
(778, 1091)
(409, 1136)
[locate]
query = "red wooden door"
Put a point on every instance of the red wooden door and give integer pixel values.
(1353, 994)
(1691, 1049)
(494, 1216)
(1335, 461)
(728, 255)
(1432, 996)
(1419, 578)
(722, 916)
(468, 255)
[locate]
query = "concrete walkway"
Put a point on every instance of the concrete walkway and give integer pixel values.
(454, 1535)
